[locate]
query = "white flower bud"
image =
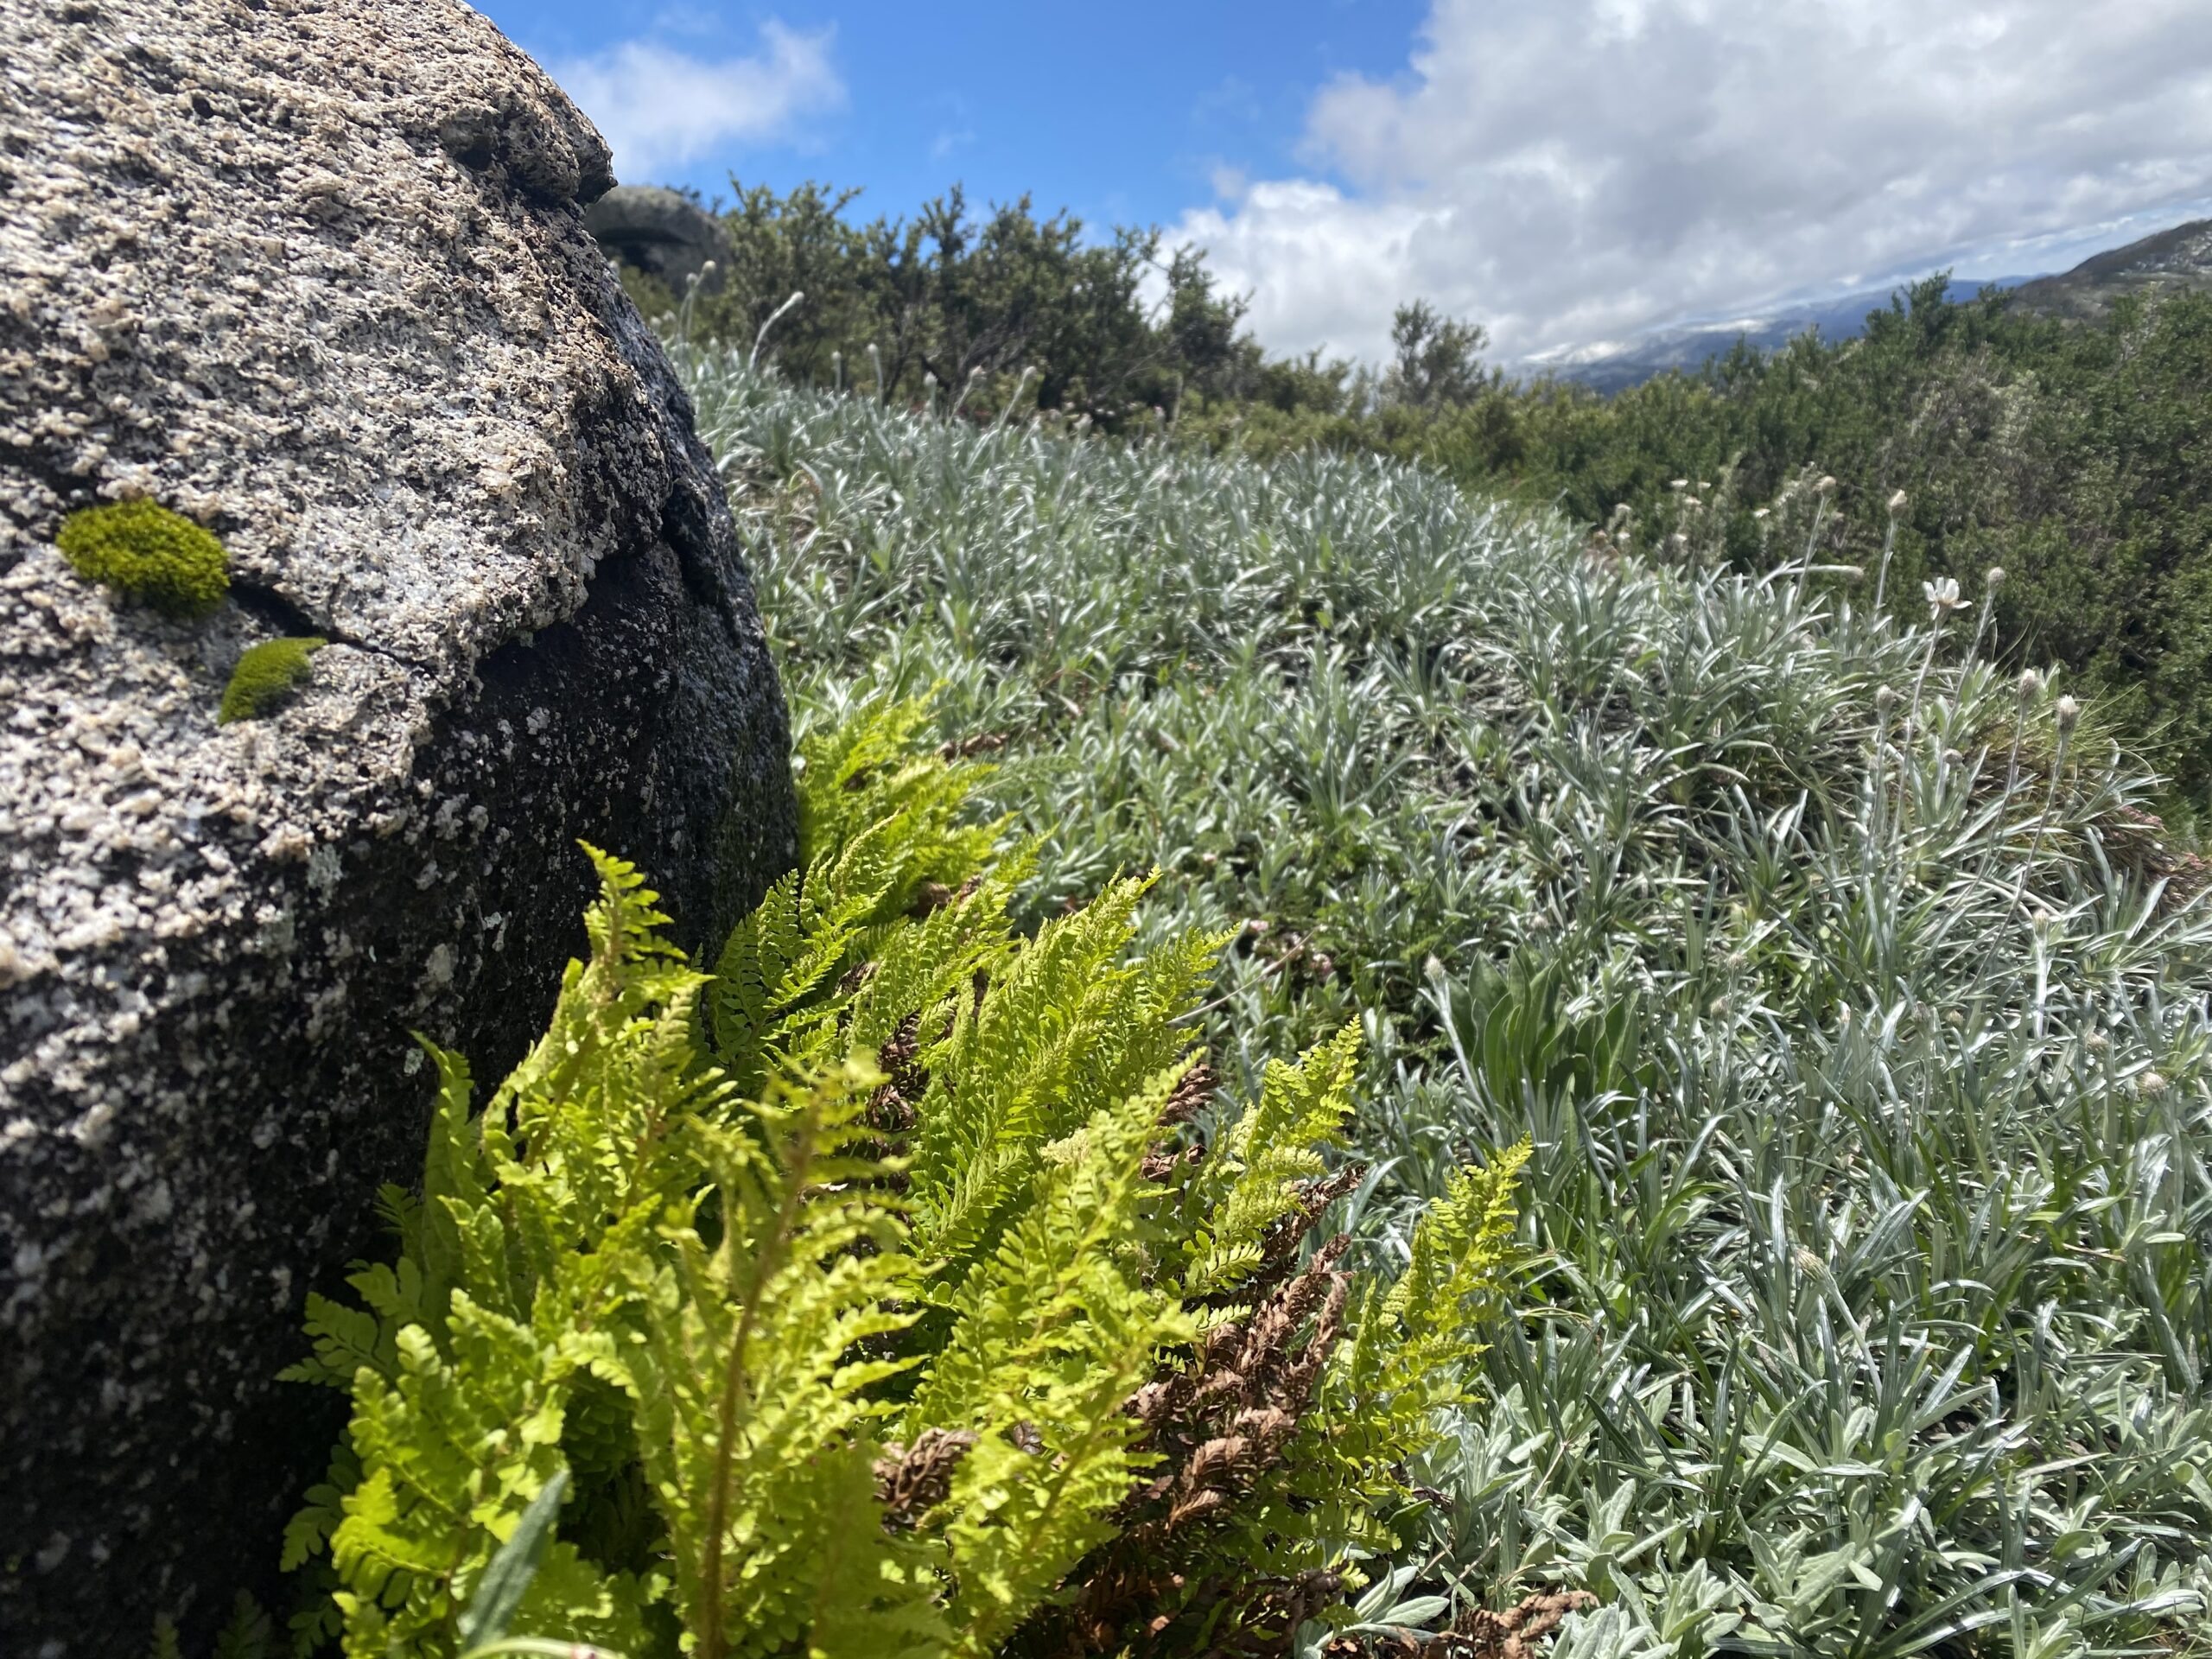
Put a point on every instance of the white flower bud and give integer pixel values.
(2031, 685)
(2068, 713)
(1897, 502)
(1994, 577)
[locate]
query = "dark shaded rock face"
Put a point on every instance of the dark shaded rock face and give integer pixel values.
(661, 233)
(317, 276)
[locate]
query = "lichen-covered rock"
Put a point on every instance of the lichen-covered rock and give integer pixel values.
(315, 276)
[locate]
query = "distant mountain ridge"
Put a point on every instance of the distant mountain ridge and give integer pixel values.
(1690, 345)
(2179, 260)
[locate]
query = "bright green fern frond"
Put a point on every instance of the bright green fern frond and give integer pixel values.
(1071, 1027)
(455, 1448)
(623, 924)
(754, 1377)
(882, 838)
(1053, 1333)
(1411, 1353)
(509, 1292)
(870, 771)
(837, 1327)
(922, 971)
(1272, 1148)
(773, 983)
(1414, 1347)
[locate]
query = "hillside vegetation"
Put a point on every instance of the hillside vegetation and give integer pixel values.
(1853, 1006)
(2071, 454)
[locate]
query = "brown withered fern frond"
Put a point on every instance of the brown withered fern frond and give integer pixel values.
(1218, 1424)
(1185, 1101)
(912, 1480)
(891, 1109)
(1189, 1096)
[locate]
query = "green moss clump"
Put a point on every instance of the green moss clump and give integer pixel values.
(264, 678)
(148, 553)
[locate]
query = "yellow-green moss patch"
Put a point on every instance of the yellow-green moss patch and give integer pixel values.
(148, 553)
(265, 678)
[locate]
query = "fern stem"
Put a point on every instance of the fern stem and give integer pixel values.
(712, 1643)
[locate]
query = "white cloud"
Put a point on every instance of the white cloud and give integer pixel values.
(660, 108)
(1568, 170)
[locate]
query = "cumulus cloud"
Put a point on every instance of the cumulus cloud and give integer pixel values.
(1568, 171)
(660, 108)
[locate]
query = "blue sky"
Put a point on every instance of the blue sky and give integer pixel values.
(1566, 172)
(1120, 112)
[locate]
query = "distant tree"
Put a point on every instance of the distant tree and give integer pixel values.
(1438, 360)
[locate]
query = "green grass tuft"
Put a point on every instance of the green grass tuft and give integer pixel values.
(148, 553)
(265, 678)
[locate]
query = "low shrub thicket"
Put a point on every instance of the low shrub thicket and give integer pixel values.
(1855, 1009)
(2071, 452)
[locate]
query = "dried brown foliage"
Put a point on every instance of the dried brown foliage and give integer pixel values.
(2140, 842)
(892, 1107)
(1189, 1097)
(1220, 1424)
(968, 747)
(1185, 1102)
(912, 1480)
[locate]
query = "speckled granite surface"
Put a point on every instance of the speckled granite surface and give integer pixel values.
(314, 274)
